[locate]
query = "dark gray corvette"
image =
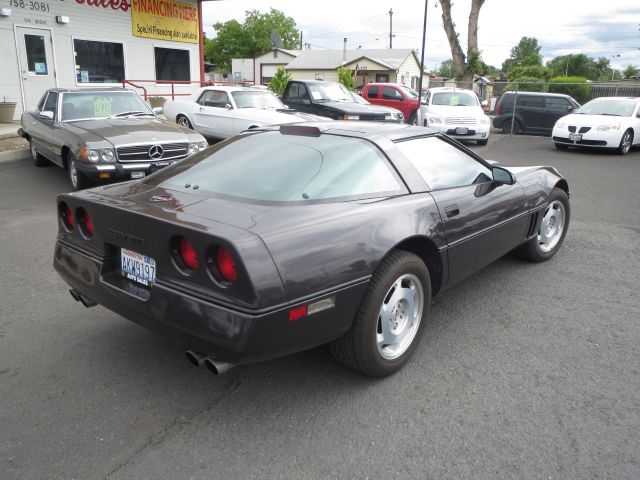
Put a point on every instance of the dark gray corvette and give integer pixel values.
(103, 134)
(285, 238)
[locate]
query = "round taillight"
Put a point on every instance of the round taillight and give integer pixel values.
(84, 223)
(188, 254)
(226, 265)
(66, 215)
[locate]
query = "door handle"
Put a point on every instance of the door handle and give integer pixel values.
(452, 210)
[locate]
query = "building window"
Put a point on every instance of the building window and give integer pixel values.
(319, 76)
(172, 64)
(382, 78)
(36, 56)
(99, 62)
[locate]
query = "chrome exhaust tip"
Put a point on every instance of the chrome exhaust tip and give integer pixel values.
(216, 367)
(194, 358)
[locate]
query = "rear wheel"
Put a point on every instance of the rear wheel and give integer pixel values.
(38, 160)
(184, 121)
(553, 229)
(507, 129)
(77, 179)
(625, 142)
(390, 318)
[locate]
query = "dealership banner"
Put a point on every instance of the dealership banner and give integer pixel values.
(165, 20)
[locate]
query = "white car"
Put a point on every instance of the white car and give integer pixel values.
(606, 122)
(221, 112)
(456, 112)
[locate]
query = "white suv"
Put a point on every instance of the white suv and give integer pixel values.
(456, 112)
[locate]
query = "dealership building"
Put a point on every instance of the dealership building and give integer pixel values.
(98, 43)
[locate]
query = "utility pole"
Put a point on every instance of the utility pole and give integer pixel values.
(300, 39)
(424, 37)
(390, 28)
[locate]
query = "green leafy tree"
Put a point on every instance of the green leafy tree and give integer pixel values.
(250, 38)
(345, 77)
(580, 65)
(527, 84)
(525, 53)
(446, 69)
(279, 81)
(530, 71)
(630, 71)
(577, 87)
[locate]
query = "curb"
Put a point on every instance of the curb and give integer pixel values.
(4, 136)
(14, 155)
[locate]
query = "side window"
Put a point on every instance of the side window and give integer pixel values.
(298, 92)
(528, 101)
(41, 102)
(51, 103)
(557, 103)
(442, 165)
(390, 93)
(373, 92)
(202, 97)
(216, 98)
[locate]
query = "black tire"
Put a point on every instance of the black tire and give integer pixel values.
(625, 142)
(483, 142)
(413, 119)
(561, 146)
(38, 159)
(184, 121)
(506, 127)
(358, 348)
(77, 179)
(535, 250)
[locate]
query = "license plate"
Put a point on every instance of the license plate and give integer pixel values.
(461, 131)
(135, 175)
(575, 137)
(137, 267)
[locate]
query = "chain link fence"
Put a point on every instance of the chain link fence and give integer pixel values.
(532, 108)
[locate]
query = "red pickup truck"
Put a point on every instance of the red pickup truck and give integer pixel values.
(394, 95)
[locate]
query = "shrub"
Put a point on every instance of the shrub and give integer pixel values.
(577, 87)
(279, 81)
(527, 84)
(345, 77)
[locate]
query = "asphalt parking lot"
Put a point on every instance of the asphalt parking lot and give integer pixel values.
(524, 371)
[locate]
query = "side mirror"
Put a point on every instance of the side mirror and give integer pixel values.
(502, 176)
(569, 108)
(158, 110)
(228, 106)
(47, 114)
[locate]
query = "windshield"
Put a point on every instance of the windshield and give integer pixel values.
(86, 105)
(358, 99)
(409, 92)
(333, 92)
(455, 99)
(273, 167)
(257, 99)
(619, 107)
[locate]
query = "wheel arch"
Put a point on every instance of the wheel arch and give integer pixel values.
(563, 185)
(64, 153)
(424, 248)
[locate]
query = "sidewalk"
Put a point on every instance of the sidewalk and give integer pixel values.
(12, 147)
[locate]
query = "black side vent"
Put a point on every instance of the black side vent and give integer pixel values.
(533, 223)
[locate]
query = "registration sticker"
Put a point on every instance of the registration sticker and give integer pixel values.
(137, 267)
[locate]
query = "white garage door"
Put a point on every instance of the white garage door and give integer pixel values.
(268, 71)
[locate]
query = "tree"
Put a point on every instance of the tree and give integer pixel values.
(345, 77)
(525, 53)
(446, 69)
(630, 71)
(279, 80)
(250, 38)
(580, 65)
(464, 65)
(529, 71)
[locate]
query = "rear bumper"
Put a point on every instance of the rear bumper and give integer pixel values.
(227, 334)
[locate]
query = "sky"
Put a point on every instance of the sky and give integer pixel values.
(594, 27)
